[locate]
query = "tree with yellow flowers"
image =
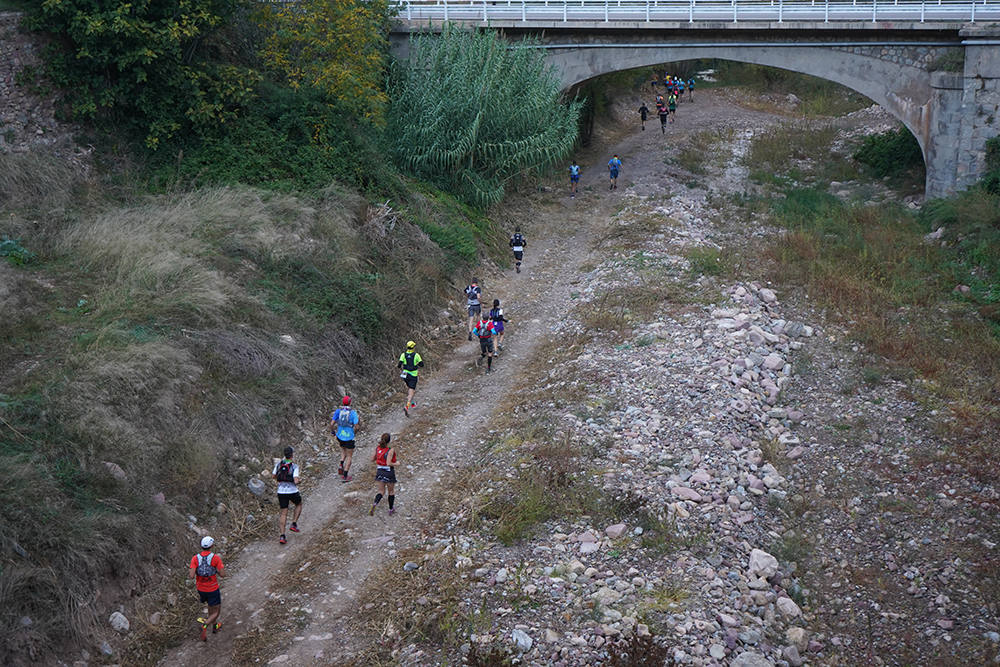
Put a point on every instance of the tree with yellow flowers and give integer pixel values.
(337, 46)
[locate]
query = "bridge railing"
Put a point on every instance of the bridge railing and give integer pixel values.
(734, 11)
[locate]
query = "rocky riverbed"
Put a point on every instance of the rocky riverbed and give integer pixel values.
(763, 499)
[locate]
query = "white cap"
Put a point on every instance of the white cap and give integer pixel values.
(207, 542)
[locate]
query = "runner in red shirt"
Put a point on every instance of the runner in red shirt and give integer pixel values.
(385, 473)
(206, 568)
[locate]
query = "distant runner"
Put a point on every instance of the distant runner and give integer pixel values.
(496, 316)
(680, 90)
(205, 568)
(691, 90)
(574, 178)
(286, 474)
(342, 423)
(472, 293)
(672, 106)
(385, 473)
(485, 330)
(410, 364)
(661, 110)
(614, 164)
(643, 112)
(517, 243)
(653, 82)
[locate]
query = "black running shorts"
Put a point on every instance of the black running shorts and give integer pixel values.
(211, 598)
(284, 498)
(346, 444)
(387, 476)
(519, 255)
(411, 381)
(486, 345)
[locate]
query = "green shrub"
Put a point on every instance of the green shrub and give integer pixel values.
(15, 253)
(949, 60)
(149, 67)
(289, 140)
(890, 153)
(991, 179)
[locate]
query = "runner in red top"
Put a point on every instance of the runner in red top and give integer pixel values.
(206, 568)
(385, 473)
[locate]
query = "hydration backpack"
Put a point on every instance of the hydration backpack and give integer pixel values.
(343, 417)
(518, 239)
(284, 473)
(205, 567)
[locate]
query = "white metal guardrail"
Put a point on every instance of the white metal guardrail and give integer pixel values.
(733, 11)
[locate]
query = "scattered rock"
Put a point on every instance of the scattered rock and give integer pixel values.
(256, 486)
(119, 622)
(762, 564)
(522, 642)
(615, 531)
(116, 471)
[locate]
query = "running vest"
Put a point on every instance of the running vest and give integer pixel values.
(380, 454)
(574, 170)
(485, 329)
(410, 362)
(496, 314)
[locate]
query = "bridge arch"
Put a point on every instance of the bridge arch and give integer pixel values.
(951, 114)
(904, 91)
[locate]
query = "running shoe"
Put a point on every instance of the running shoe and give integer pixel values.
(406, 410)
(294, 528)
(216, 628)
(282, 540)
(204, 632)
(392, 511)
(371, 511)
(347, 478)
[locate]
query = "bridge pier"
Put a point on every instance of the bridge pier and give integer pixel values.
(980, 101)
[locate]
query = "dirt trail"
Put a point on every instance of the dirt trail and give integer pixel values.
(340, 545)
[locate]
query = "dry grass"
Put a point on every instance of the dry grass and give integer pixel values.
(617, 310)
(789, 148)
(37, 181)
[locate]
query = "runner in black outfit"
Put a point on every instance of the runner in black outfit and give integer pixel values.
(517, 244)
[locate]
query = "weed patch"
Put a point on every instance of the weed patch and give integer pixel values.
(873, 267)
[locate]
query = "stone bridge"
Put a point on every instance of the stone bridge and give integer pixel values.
(951, 113)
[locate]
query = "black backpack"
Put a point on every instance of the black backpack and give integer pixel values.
(205, 567)
(284, 473)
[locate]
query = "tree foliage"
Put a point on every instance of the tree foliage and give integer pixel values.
(142, 63)
(337, 46)
(473, 111)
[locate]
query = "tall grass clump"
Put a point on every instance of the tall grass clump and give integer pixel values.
(471, 114)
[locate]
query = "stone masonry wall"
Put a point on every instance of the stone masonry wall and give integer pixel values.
(913, 56)
(26, 119)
